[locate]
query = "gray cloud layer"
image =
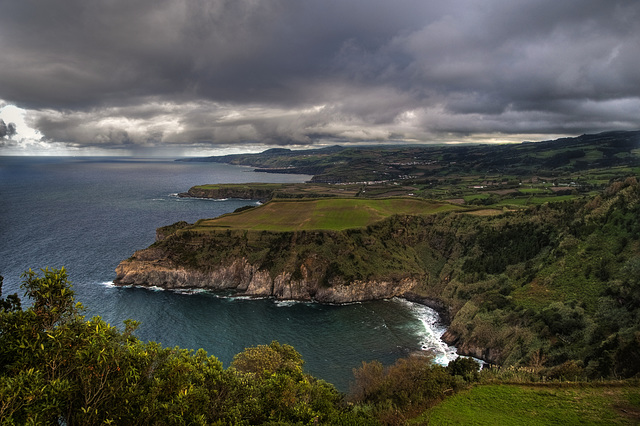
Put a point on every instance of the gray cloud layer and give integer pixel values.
(120, 73)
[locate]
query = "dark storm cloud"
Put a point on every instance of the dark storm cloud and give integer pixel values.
(120, 73)
(7, 130)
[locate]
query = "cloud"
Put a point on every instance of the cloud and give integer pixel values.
(120, 74)
(7, 130)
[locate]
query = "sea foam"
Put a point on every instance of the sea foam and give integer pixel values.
(431, 335)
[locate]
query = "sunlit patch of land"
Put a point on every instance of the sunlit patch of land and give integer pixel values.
(617, 404)
(322, 214)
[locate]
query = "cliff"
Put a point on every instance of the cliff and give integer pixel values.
(151, 268)
(491, 355)
(403, 256)
(261, 192)
(551, 283)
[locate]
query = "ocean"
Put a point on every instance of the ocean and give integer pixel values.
(87, 214)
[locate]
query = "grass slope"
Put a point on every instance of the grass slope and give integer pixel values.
(537, 405)
(322, 214)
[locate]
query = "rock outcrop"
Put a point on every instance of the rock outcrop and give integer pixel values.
(467, 348)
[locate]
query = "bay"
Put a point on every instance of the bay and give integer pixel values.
(88, 214)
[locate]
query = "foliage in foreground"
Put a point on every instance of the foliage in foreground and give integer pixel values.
(56, 367)
(401, 391)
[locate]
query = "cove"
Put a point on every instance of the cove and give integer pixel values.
(88, 214)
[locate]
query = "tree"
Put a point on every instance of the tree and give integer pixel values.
(465, 367)
(269, 359)
(53, 299)
(279, 390)
(56, 367)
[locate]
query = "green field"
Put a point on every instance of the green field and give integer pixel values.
(538, 405)
(533, 190)
(330, 214)
(529, 201)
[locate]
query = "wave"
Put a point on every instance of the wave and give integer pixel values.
(288, 303)
(285, 303)
(431, 333)
(144, 287)
(190, 292)
(177, 196)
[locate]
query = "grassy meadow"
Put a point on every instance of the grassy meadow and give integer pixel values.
(334, 214)
(570, 404)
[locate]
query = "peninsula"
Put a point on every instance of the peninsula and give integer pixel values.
(538, 262)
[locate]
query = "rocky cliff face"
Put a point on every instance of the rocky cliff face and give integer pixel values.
(466, 348)
(148, 269)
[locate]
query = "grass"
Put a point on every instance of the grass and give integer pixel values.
(529, 191)
(535, 200)
(535, 295)
(469, 198)
(538, 405)
(486, 212)
(326, 214)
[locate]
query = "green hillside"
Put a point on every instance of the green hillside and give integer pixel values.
(542, 286)
(587, 159)
(509, 175)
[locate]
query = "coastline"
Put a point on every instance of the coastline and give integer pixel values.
(438, 307)
(151, 268)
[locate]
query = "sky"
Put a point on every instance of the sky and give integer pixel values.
(186, 77)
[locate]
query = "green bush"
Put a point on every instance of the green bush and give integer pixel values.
(402, 390)
(56, 367)
(465, 367)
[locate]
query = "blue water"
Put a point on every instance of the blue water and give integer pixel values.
(88, 214)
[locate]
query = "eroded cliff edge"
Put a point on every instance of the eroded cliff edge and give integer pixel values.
(247, 192)
(246, 279)
(322, 266)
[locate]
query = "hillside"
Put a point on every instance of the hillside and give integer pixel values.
(535, 404)
(506, 175)
(545, 285)
(565, 159)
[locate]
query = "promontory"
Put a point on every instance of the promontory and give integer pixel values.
(533, 263)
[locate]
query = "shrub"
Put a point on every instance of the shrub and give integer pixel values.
(465, 367)
(403, 389)
(569, 370)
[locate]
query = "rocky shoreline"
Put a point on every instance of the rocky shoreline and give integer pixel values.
(240, 278)
(244, 279)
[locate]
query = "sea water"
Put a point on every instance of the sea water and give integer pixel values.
(88, 214)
